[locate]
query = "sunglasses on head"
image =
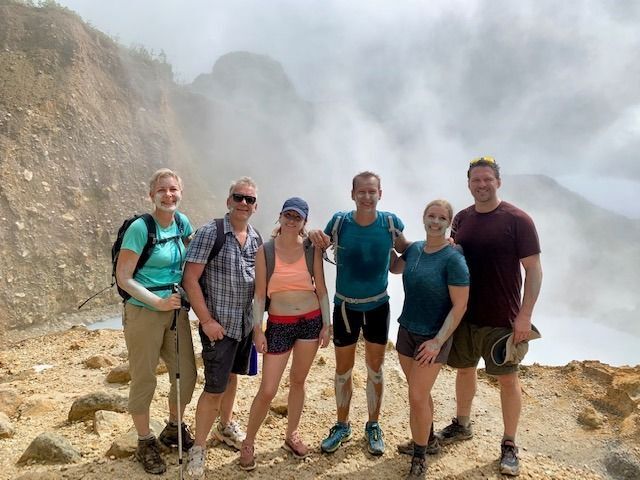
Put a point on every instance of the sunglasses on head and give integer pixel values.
(238, 197)
(482, 159)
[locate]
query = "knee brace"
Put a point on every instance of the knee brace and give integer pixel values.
(342, 395)
(373, 397)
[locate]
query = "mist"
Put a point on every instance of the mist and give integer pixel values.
(413, 90)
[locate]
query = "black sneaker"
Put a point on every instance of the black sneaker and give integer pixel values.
(509, 463)
(418, 469)
(433, 447)
(148, 453)
(169, 436)
(454, 433)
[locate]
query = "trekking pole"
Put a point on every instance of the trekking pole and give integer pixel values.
(174, 327)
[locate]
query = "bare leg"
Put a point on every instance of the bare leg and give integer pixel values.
(466, 381)
(206, 413)
(272, 369)
(511, 400)
(345, 359)
(421, 380)
(228, 399)
(303, 354)
(374, 358)
(141, 422)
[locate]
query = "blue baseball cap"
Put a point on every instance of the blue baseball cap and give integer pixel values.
(297, 205)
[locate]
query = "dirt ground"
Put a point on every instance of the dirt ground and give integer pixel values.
(553, 443)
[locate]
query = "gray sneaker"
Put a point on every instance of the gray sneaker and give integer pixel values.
(454, 432)
(195, 464)
(433, 447)
(509, 463)
(231, 434)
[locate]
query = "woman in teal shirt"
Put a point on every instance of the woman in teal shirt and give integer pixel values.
(436, 287)
(149, 313)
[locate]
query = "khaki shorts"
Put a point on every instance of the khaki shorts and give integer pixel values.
(470, 342)
(149, 337)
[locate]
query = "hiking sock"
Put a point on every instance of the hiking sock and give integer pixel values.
(149, 436)
(419, 451)
(509, 438)
(464, 421)
(431, 434)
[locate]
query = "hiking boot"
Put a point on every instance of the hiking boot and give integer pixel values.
(433, 447)
(195, 463)
(375, 443)
(247, 457)
(231, 434)
(509, 463)
(148, 454)
(296, 446)
(454, 433)
(339, 433)
(418, 469)
(169, 436)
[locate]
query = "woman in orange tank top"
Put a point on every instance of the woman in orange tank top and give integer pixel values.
(298, 322)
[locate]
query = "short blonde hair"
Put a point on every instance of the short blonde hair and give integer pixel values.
(243, 181)
(162, 173)
(363, 176)
(440, 203)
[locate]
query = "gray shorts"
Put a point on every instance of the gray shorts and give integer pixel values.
(222, 358)
(470, 342)
(408, 344)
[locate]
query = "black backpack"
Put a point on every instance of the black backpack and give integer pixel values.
(152, 240)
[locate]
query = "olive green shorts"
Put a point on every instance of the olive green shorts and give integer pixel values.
(470, 342)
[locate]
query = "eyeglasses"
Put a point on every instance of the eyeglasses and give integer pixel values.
(292, 216)
(482, 159)
(238, 197)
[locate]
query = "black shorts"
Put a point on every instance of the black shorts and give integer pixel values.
(408, 344)
(222, 358)
(374, 324)
(283, 330)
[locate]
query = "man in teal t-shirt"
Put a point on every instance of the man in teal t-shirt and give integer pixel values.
(363, 240)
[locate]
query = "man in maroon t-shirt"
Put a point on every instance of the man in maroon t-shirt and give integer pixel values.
(497, 238)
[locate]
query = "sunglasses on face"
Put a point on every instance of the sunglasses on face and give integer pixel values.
(482, 159)
(238, 198)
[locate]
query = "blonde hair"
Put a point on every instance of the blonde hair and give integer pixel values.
(162, 173)
(243, 181)
(440, 203)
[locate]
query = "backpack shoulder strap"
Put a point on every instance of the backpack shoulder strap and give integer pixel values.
(309, 251)
(335, 229)
(179, 224)
(269, 248)
(152, 238)
(395, 233)
(220, 239)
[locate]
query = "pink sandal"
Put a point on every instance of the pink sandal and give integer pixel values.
(247, 457)
(296, 446)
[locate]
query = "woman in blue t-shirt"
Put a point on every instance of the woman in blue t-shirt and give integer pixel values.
(436, 288)
(150, 313)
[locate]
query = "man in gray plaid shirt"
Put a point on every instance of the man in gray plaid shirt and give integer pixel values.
(221, 292)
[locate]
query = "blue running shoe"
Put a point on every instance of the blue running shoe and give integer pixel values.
(339, 433)
(375, 443)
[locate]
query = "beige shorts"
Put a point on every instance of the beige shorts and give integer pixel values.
(149, 337)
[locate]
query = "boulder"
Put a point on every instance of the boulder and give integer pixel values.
(119, 374)
(6, 427)
(279, 405)
(101, 360)
(49, 448)
(591, 418)
(105, 422)
(10, 400)
(125, 445)
(84, 407)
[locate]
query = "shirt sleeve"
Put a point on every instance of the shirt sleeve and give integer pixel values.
(200, 247)
(135, 238)
(527, 242)
(329, 227)
(397, 222)
(457, 271)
